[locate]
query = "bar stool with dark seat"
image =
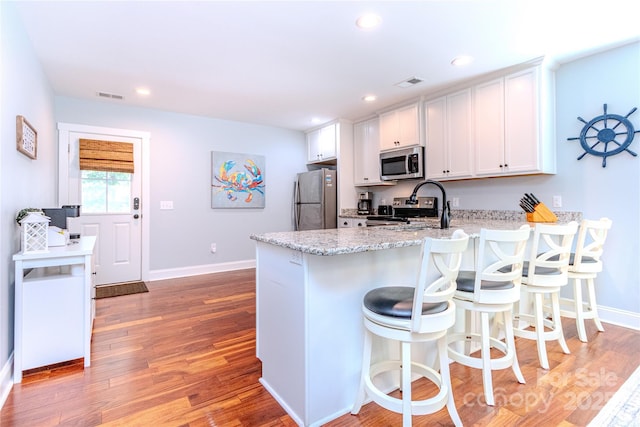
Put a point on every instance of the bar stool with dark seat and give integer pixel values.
(543, 274)
(585, 264)
(490, 290)
(414, 314)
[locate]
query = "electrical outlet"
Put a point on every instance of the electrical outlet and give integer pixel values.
(557, 201)
(213, 248)
(455, 202)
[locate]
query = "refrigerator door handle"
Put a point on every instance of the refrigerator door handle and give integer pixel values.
(296, 198)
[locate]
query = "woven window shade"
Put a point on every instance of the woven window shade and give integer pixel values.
(106, 156)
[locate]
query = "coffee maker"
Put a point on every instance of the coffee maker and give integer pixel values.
(365, 203)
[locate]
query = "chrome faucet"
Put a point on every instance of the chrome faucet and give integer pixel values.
(446, 208)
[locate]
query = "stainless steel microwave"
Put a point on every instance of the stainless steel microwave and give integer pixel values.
(404, 163)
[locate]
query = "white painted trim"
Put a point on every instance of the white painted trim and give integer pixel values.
(6, 380)
(281, 402)
(145, 137)
(173, 273)
(614, 316)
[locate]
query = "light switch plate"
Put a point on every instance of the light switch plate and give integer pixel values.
(166, 204)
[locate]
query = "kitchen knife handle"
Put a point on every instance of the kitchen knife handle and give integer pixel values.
(530, 199)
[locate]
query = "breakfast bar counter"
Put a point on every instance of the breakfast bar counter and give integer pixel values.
(362, 239)
(309, 291)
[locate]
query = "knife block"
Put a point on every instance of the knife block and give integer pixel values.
(541, 213)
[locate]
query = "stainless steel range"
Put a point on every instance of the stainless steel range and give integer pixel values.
(427, 207)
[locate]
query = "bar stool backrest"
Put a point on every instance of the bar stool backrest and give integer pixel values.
(436, 279)
(548, 262)
(499, 265)
(589, 245)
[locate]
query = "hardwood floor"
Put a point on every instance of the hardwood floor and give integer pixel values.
(184, 355)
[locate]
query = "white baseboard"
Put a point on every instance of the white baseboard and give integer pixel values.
(173, 273)
(6, 380)
(615, 316)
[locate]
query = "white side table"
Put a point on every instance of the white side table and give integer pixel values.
(54, 306)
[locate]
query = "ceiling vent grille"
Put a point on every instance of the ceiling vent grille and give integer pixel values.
(110, 95)
(409, 82)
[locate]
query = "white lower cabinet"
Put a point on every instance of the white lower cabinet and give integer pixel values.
(352, 222)
(52, 318)
(54, 306)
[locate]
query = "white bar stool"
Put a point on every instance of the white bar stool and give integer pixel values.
(491, 289)
(585, 264)
(542, 276)
(414, 314)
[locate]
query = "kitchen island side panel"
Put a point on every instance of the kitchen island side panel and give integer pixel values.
(337, 285)
(310, 327)
(280, 318)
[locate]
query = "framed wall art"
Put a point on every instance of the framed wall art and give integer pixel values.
(26, 138)
(237, 180)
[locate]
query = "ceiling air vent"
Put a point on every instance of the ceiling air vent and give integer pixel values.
(409, 82)
(110, 95)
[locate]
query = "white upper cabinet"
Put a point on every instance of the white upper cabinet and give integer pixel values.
(366, 159)
(521, 123)
(449, 147)
(400, 127)
(321, 144)
(489, 127)
(513, 125)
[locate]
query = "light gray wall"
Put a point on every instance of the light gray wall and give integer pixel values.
(582, 87)
(180, 170)
(181, 147)
(23, 182)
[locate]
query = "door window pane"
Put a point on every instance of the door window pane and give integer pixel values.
(106, 192)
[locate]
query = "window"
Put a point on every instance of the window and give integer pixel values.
(105, 192)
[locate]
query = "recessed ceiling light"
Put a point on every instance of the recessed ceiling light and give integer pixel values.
(143, 91)
(369, 98)
(368, 21)
(462, 60)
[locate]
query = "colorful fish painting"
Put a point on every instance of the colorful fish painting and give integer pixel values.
(237, 183)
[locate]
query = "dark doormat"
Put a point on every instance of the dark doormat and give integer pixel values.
(108, 291)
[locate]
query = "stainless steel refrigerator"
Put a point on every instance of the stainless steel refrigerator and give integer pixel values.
(315, 200)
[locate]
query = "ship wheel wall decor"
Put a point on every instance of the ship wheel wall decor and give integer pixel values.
(599, 137)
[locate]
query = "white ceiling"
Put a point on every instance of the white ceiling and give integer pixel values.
(283, 63)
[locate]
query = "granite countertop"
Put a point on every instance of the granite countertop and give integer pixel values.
(361, 239)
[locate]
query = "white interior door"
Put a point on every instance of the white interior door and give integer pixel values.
(117, 225)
